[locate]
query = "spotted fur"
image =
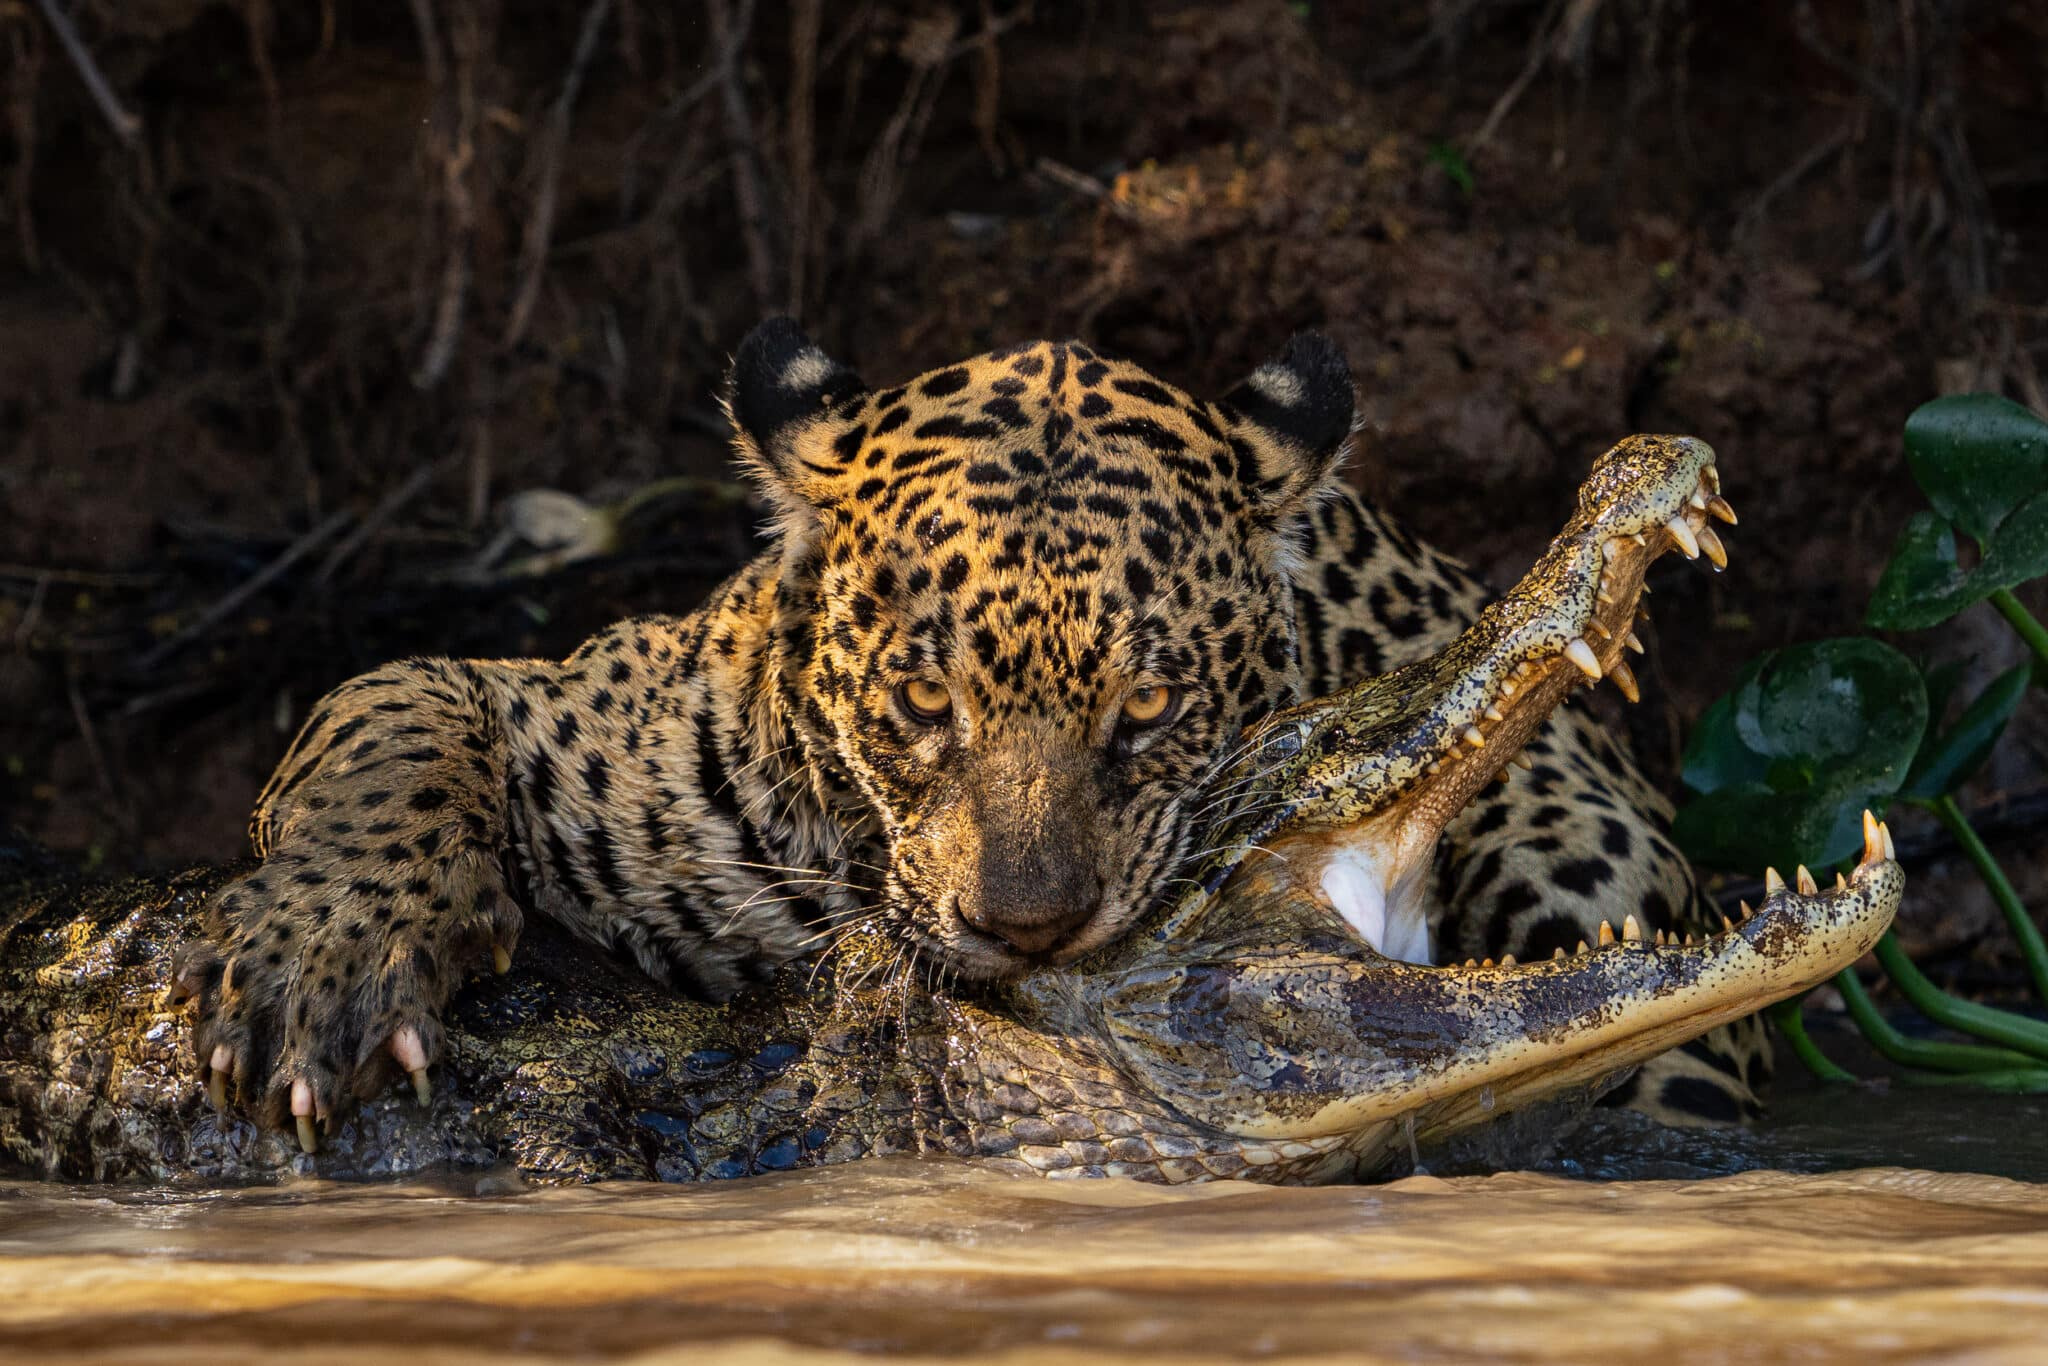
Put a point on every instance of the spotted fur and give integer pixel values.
(1044, 533)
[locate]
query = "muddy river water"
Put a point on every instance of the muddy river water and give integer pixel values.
(1858, 1226)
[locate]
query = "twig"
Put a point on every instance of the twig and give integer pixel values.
(247, 589)
(31, 618)
(1539, 48)
(93, 752)
(83, 578)
(728, 30)
(386, 507)
(806, 17)
(25, 79)
(1066, 177)
(540, 224)
(1792, 175)
(126, 126)
(456, 158)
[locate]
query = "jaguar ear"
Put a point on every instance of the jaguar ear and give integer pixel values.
(781, 398)
(1297, 411)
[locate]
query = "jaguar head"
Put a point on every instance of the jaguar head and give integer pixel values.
(1030, 601)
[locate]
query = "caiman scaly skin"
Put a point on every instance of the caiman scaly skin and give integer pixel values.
(1241, 1030)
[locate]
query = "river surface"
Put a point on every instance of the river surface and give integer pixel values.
(1858, 1226)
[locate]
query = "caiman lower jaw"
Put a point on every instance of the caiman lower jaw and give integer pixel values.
(1446, 1048)
(1446, 727)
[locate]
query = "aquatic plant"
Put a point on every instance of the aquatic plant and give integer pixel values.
(1784, 764)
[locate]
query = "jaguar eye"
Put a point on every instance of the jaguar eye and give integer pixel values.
(1153, 705)
(926, 700)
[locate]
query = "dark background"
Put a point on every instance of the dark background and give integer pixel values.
(296, 320)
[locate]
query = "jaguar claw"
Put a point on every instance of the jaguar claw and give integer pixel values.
(302, 1115)
(411, 1053)
(501, 961)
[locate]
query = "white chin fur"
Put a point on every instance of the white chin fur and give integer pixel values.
(1357, 888)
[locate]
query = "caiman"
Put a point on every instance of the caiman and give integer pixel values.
(1247, 1028)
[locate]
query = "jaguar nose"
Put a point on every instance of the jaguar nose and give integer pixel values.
(1033, 934)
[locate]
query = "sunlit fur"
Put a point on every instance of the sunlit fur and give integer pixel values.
(1046, 531)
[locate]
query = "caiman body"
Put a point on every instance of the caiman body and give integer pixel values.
(1244, 1029)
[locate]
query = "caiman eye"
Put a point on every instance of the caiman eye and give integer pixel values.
(1153, 705)
(926, 700)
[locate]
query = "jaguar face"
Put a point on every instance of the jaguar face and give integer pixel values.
(1038, 597)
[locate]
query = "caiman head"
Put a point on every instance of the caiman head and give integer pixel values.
(1270, 1011)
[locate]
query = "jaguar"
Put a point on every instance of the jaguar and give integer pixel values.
(1017, 615)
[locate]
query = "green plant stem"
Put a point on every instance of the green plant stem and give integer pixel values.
(1928, 1054)
(1792, 1024)
(1985, 1022)
(2024, 622)
(2026, 1081)
(2023, 927)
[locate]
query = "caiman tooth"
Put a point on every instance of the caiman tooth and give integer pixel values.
(1486, 962)
(1639, 538)
(1841, 883)
(1507, 960)
(1773, 884)
(1522, 760)
(1886, 831)
(1726, 926)
(1581, 654)
(1471, 962)
(1711, 477)
(1601, 627)
(1556, 954)
(1580, 949)
(1475, 737)
(1631, 932)
(1746, 911)
(1495, 715)
(1632, 643)
(1717, 506)
(1688, 938)
(1873, 841)
(1606, 934)
(1625, 679)
(1611, 548)
(1804, 881)
(1699, 500)
(1716, 552)
(1681, 533)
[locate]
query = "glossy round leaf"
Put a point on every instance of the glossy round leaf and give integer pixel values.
(1977, 457)
(1788, 760)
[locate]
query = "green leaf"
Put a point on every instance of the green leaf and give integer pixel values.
(1977, 457)
(1923, 585)
(1788, 760)
(1453, 164)
(1945, 764)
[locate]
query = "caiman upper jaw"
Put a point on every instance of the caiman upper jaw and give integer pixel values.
(1380, 769)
